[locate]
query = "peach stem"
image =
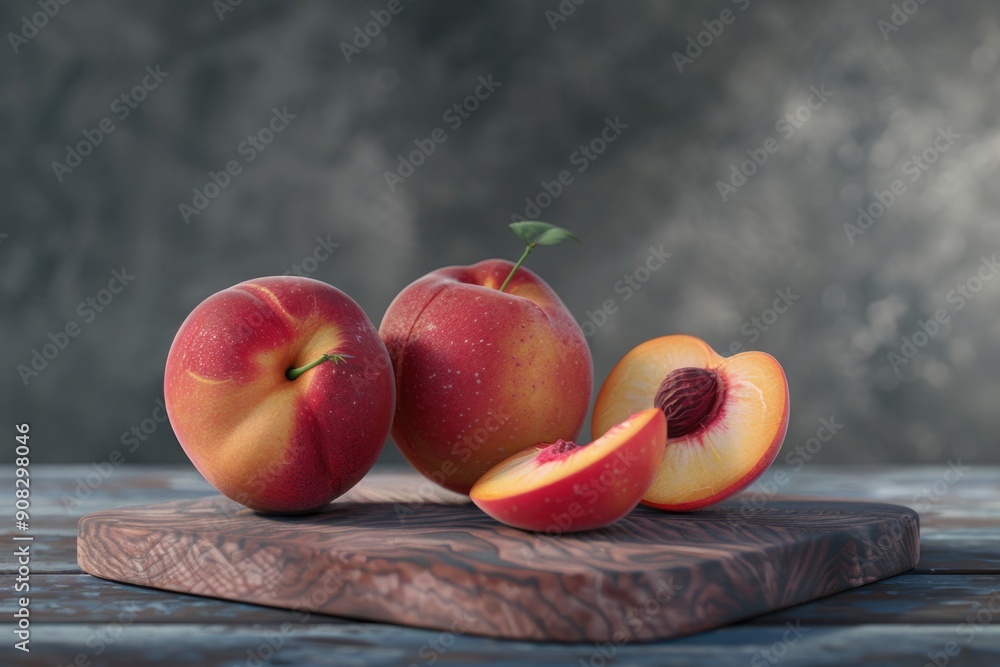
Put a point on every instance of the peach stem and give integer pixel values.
(294, 373)
(527, 251)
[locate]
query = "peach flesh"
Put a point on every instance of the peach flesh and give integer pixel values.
(720, 449)
(564, 487)
(560, 449)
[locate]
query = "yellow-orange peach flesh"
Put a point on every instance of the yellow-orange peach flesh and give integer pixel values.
(736, 437)
(564, 487)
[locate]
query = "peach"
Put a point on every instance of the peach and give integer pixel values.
(273, 443)
(563, 487)
(726, 417)
(481, 373)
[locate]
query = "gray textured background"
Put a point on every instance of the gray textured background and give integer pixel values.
(656, 184)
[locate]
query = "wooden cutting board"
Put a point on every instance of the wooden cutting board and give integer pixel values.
(399, 550)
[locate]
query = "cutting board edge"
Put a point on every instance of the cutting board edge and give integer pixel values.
(91, 566)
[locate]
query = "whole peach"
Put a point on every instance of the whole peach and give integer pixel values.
(271, 443)
(483, 374)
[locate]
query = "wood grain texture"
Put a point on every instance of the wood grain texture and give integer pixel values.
(375, 645)
(967, 552)
(399, 550)
(51, 554)
(82, 598)
(905, 599)
(83, 615)
(959, 532)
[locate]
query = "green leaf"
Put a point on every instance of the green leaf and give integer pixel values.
(534, 232)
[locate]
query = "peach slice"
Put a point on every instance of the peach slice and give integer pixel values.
(726, 417)
(564, 487)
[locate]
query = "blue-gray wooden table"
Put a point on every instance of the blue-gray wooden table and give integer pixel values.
(943, 613)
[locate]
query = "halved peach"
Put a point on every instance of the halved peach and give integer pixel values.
(726, 417)
(564, 487)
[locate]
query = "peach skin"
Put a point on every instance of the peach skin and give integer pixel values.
(281, 393)
(565, 487)
(481, 374)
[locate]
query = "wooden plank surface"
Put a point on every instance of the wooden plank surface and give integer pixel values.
(942, 551)
(957, 535)
(375, 645)
(963, 536)
(905, 599)
(959, 528)
(82, 598)
(391, 552)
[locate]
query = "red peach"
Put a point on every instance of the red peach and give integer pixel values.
(270, 443)
(482, 374)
